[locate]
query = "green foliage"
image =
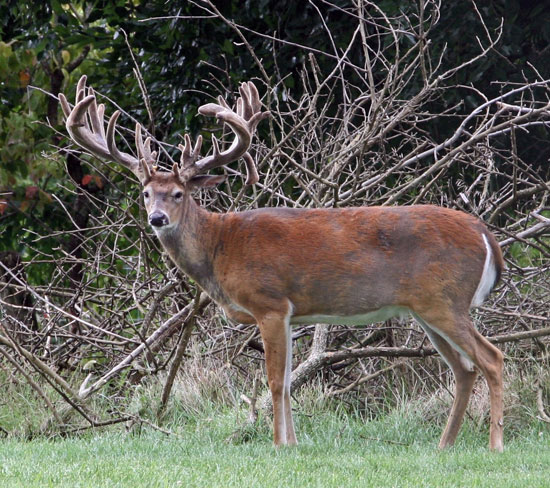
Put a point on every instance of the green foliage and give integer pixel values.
(526, 256)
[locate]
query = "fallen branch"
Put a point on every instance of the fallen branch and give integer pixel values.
(366, 378)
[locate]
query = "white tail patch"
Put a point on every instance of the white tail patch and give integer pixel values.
(488, 277)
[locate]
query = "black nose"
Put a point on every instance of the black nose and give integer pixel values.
(158, 219)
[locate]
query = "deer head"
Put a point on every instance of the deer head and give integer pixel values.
(166, 192)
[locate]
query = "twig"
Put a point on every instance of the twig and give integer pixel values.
(187, 329)
(540, 404)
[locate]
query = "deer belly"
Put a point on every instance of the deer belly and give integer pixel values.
(379, 315)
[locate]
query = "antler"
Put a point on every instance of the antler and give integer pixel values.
(243, 123)
(86, 126)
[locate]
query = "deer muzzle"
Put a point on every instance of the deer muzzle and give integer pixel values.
(158, 219)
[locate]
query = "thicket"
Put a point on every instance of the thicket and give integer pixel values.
(373, 103)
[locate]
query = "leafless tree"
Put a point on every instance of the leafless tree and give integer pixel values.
(360, 133)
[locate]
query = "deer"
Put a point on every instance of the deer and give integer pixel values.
(276, 267)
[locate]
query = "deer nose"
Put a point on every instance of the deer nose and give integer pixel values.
(158, 219)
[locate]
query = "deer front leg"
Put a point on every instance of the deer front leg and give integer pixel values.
(275, 331)
(289, 422)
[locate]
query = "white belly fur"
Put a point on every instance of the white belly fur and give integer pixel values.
(379, 315)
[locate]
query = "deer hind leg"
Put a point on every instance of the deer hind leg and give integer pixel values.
(275, 331)
(465, 376)
(470, 346)
(491, 363)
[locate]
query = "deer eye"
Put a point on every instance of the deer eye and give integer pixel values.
(145, 194)
(178, 195)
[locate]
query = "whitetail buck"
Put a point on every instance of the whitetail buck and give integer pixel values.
(282, 266)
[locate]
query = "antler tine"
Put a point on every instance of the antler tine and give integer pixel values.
(239, 107)
(252, 176)
(223, 103)
(254, 97)
(101, 118)
(115, 154)
(246, 110)
(252, 105)
(144, 148)
(189, 154)
(95, 113)
(81, 89)
(215, 146)
(64, 105)
(152, 155)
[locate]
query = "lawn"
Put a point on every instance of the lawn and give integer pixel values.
(335, 451)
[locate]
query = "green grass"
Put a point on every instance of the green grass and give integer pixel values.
(336, 450)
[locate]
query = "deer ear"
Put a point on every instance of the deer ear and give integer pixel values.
(206, 181)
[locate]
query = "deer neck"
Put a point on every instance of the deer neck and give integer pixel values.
(190, 245)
